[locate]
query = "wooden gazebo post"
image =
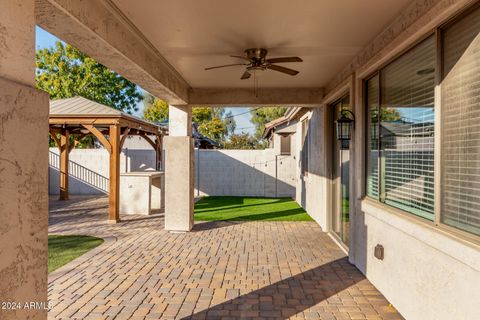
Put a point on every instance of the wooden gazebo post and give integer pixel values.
(114, 211)
(64, 152)
(64, 149)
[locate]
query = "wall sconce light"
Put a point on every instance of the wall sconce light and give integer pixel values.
(345, 124)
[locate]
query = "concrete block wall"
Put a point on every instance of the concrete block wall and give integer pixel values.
(244, 173)
(217, 172)
(90, 169)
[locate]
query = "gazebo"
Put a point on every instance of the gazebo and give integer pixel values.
(78, 117)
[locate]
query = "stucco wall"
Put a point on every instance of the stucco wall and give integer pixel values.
(244, 173)
(312, 187)
(426, 274)
(23, 198)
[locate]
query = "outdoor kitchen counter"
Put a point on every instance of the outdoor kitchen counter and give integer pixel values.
(142, 192)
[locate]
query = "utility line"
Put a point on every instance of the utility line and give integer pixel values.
(239, 114)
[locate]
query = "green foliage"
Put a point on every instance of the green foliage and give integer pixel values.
(389, 114)
(65, 72)
(214, 123)
(249, 209)
(242, 141)
(264, 115)
(155, 109)
(214, 128)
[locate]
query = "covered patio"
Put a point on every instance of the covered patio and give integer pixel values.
(410, 222)
(220, 270)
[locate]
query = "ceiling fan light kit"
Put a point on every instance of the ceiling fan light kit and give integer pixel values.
(256, 63)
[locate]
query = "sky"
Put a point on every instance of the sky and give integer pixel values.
(45, 39)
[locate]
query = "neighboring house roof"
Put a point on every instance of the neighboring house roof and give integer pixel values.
(401, 128)
(270, 126)
(201, 140)
(290, 115)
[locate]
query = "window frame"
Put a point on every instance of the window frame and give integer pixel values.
(437, 33)
(381, 163)
(305, 146)
(282, 143)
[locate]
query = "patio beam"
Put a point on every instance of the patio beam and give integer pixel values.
(107, 144)
(122, 140)
(246, 96)
(102, 31)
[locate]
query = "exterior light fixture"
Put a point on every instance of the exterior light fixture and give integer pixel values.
(345, 124)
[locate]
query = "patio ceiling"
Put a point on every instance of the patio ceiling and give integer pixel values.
(164, 46)
(194, 34)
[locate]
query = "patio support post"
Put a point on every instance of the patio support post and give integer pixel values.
(64, 152)
(23, 166)
(179, 170)
(114, 200)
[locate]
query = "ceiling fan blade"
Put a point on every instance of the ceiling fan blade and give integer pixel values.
(245, 75)
(226, 65)
(284, 59)
(240, 57)
(282, 69)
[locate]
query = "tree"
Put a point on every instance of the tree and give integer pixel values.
(214, 123)
(389, 114)
(261, 116)
(155, 109)
(65, 72)
(241, 141)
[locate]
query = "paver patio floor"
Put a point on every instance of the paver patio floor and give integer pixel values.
(220, 270)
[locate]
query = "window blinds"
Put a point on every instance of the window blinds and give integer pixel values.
(372, 87)
(461, 124)
(407, 130)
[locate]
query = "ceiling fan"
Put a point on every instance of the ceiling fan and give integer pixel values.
(256, 61)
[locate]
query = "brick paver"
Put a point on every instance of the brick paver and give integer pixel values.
(221, 270)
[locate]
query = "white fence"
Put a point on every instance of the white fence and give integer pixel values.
(217, 172)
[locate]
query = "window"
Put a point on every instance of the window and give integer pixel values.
(372, 99)
(305, 142)
(285, 145)
(460, 141)
(400, 106)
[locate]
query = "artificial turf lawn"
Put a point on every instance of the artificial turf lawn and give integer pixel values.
(249, 209)
(63, 249)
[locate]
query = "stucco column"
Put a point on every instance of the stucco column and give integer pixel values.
(179, 170)
(23, 165)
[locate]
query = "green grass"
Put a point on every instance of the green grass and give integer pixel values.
(249, 209)
(63, 249)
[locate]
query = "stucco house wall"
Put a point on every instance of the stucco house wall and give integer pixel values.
(427, 272)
